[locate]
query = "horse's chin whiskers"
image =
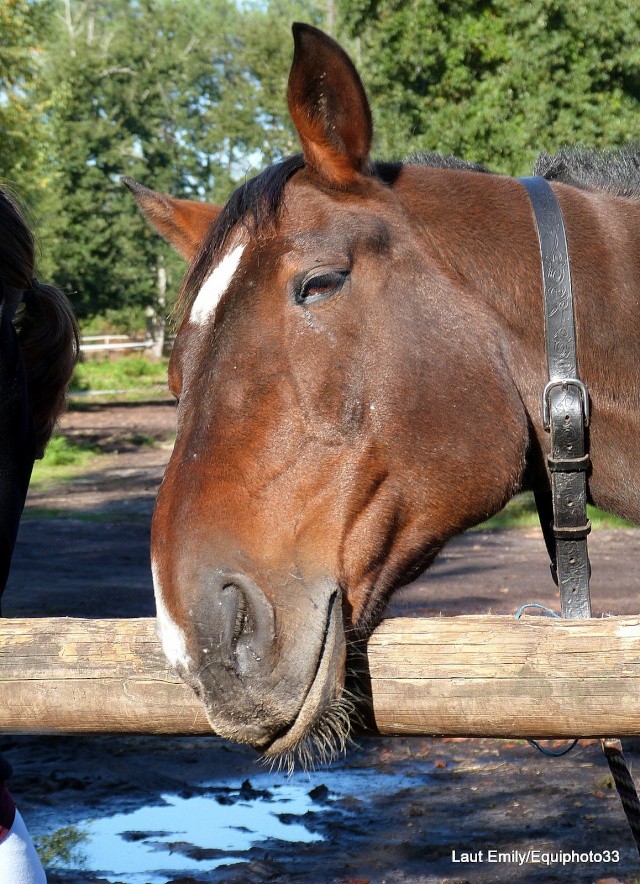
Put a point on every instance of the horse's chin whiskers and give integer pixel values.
(327, 740)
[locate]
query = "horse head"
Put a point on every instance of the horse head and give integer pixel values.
(345, 406)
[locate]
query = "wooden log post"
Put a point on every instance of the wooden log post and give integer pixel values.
(457, 676)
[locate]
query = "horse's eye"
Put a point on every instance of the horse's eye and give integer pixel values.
(320, 287)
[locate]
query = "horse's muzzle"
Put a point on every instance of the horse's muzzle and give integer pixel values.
(264, 669)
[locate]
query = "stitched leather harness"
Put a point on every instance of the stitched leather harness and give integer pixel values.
(565, 413)
(565, 410)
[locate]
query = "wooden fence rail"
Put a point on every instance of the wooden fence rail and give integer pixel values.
(457, 676)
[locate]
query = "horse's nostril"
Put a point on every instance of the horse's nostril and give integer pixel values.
(241, 623)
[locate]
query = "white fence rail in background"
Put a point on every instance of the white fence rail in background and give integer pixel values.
(106, 343)
(105, 339)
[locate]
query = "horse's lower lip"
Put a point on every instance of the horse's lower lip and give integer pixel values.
(313, 706)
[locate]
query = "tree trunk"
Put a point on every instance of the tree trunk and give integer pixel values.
(156, 316)
(331, 17)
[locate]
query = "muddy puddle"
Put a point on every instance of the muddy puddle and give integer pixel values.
(141, 810)
(216, 829)
(199, 834)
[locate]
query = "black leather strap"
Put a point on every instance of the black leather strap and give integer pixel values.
(565, 410)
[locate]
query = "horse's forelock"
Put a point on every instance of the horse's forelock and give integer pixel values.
(256, 204)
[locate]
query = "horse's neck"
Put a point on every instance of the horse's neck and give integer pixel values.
(482, 230)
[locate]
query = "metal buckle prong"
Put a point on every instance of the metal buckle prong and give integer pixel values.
(564, 383)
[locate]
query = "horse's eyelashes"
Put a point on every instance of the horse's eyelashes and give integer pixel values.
(319, 286)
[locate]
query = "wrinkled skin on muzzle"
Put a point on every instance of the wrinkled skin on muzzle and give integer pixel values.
(267, 675)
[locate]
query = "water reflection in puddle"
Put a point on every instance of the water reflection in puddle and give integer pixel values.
(199, 834)
(156, 839)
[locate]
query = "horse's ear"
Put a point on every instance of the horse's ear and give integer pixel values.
(329, 107)
(183, 223)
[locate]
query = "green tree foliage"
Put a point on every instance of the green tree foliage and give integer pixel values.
(177, 94)
(135, 84)
(496, 81)
(23, 28)
(265, 55)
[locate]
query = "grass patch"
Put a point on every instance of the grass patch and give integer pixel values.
(62, 847)
(125, 373)
(63, 460)
(521, 512)
(61, 452)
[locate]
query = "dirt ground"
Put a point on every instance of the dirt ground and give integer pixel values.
(83, 551)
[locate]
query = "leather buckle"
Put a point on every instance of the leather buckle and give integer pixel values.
(564, 383)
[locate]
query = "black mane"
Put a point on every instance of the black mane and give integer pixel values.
(445, 161)
(611, 171)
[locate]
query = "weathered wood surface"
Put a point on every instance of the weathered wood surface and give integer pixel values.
(67, 675)
(500, 677)
(456, 676)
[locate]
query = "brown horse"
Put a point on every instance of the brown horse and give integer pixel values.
(359, 369)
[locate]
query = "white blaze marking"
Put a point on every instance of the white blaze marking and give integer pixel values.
(171, 636)
(215, 286)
